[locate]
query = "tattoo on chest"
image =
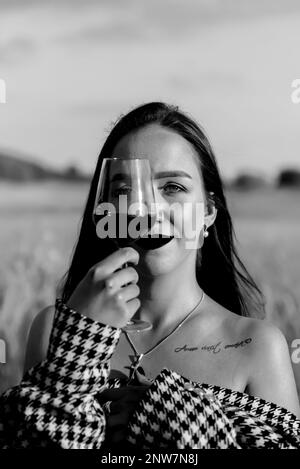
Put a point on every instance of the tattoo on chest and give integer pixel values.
(185, 349)
(215, 348)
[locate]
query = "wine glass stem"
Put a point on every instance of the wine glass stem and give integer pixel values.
(124, 266)
(135, 324)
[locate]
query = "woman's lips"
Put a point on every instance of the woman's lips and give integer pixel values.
(153, 241)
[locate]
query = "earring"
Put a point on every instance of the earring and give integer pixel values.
(205, 232)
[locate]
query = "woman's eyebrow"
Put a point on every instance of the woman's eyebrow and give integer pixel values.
(119, 177)
(166, 174)
(160, 175)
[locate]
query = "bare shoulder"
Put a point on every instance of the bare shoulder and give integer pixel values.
(38, 338)
(43, 321)
(269, 352)
(268, 364)
(261, 332)
(266, 341)
(238, 328)
(45, 316)
(266, 338)
(257, 339)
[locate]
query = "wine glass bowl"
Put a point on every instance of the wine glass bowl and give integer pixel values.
(124, 207)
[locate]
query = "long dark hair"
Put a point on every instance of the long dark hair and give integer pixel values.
(219, 270)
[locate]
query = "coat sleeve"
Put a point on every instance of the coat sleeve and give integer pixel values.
(56, 405)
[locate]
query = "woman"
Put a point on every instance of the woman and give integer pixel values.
(206, 291)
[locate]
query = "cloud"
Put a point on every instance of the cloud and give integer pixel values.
(210, 78)
(112, 33)
(9, 4)
(227, 62)
(16, 49)
(132, 21)
(208, 7)
(142, 20)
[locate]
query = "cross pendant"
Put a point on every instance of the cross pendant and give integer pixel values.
(135, 364)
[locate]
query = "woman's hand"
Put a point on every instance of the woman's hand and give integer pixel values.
(102, 295)
(124, 401)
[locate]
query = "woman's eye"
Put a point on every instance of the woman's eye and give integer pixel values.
(173, 188)
(121, 191)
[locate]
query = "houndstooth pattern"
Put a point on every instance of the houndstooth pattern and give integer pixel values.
(57, 402)
(171, 416)
(214, 417)
(259, 424)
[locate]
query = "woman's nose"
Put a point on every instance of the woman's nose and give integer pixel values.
(161, 206)
(160, 216)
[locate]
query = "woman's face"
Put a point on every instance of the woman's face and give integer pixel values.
(179, 198)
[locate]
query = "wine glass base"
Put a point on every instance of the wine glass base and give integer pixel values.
(137, 325)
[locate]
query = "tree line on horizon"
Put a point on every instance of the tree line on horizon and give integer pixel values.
(286, 178)
(17, 169)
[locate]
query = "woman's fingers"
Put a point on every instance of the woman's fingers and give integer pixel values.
(119, 418)
(117, 436)
(116, 260)
(123, 402)
(121, 278)
(127, 293)
(116, 407)
(112, 394)
(118, 393)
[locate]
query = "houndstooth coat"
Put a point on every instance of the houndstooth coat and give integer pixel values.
(57, 403)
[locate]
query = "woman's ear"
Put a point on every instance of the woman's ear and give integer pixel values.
(210, 212)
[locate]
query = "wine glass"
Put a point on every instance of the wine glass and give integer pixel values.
(125, 201)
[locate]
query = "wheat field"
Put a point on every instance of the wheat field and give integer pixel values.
(39, 224)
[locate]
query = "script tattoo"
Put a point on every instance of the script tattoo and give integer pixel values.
(212, 348)
(215, 348)
(185, 349)
(243, 343)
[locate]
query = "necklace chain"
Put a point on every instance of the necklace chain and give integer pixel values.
(139, 356)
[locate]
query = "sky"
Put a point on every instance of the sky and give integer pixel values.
(71, 67)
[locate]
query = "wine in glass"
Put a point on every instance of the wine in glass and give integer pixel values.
(125, 198)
